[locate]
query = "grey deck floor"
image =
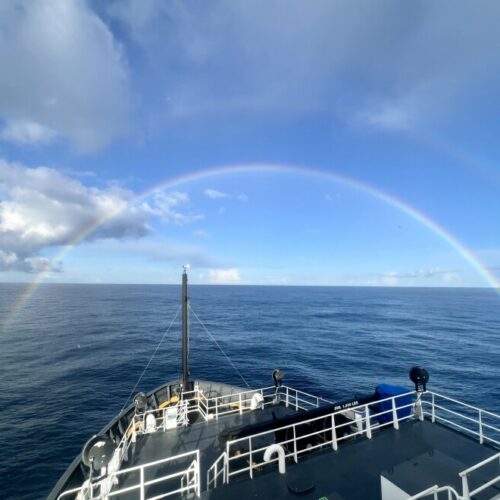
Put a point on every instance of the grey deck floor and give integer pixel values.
(416, 457)
(198, 435)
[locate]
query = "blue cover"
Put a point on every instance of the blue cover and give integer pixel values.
(387, 391)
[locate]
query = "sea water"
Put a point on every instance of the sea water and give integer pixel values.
(71, 356)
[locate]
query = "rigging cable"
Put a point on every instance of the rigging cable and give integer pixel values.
(220, 348)
(151, 358)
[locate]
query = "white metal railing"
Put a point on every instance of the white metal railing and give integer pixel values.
(250, 449)
(217, 469)
(435, 491)
(182, 481)
(240, 402)
(467, 493)
(485, 425)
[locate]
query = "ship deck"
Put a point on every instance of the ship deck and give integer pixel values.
(199, 434)
(415, 457)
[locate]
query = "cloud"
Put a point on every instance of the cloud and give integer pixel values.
(201, 233)
(394, 278)
(162, 250)
(27, 132)
(223, 276)
(385, 65)
(215, 195)
(63, 74)
(41, 208)
(166, 206)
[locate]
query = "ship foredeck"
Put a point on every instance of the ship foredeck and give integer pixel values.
(417, 456)
(205, 436)
(280, 442)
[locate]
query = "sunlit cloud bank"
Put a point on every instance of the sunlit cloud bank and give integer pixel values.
(63, 75)
(40, 209)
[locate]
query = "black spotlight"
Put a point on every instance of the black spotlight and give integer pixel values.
(420, 377)
(98, 451)
(140, 402)
(278, 378)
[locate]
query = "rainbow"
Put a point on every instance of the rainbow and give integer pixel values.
(391, 200)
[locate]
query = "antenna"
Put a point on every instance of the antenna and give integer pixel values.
(185, 330)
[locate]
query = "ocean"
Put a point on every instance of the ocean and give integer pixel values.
(72, 355)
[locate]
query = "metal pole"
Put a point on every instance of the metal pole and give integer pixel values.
(185, 332)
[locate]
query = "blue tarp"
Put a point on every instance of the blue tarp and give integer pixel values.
(388, 391)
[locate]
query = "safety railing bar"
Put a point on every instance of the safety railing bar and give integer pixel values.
(338, 412)
(479, 465)
(236, 394)
(492, 427)
(438, 417)
(436, 490)
(486, 412)
(484, 486)
(156, 462)
(470, 419)
(316, 433)
(124, 490)
(492, 440)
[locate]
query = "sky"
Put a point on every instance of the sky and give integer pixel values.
(266, 142)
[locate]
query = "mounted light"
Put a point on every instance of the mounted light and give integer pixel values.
(278, 378)
(420, 377)
(140, 402)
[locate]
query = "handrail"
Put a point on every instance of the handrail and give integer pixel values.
(478, 420)
(435, 490)
(328, 435)
(216, 472)
(193, 483)
(467, 493)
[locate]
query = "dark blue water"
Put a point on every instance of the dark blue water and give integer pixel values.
(70, 360)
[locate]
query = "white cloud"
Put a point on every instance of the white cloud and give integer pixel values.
(41, 208)
(157, 250)
(201, 233)
(62, 74)
(389, 117)
(215, 195)
(166, 205)
(404, 65)
(27, 132)
(223, 276)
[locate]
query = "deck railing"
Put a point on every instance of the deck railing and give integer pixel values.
(322, 431)
(468, 493)
(183, 481)
(483, 424)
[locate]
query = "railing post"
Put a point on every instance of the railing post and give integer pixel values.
(295, 456)
(395, 421)
(481, 437)
(433, 410)
(465, 488)
(198, 479)
(250, 457)
(367, 420)
(287, 397)
(226, 465)
(296, 401)
(142, 482)
(239, 399)
(133, 430)
(216, 408)
(334, 434)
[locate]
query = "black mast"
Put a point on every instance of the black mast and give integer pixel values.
(185, 332)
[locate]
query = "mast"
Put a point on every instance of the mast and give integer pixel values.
(185, 331)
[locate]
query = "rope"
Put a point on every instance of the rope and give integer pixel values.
(220, 348)
(151, 358)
